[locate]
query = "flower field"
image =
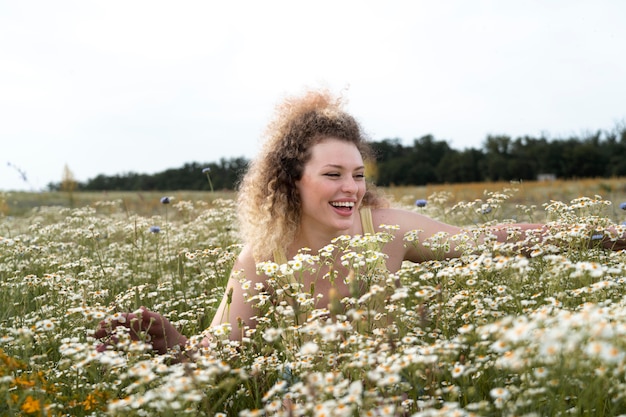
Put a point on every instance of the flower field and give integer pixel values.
(495, 332)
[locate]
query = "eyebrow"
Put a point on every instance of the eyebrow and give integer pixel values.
(336, 166)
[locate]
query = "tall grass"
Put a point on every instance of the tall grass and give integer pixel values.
(132, 202)
(491, 333)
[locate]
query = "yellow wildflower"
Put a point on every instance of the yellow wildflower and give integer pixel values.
(31, 405)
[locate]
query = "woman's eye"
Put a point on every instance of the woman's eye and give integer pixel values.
(332, 174)
(359, 176)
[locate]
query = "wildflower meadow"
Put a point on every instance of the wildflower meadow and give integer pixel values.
(500, 331)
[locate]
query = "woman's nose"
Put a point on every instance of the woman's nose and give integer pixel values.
(350, 186)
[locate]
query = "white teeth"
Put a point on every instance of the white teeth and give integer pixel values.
(342, 203)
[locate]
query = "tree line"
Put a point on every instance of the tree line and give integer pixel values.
(431, 161)
(221, 175)
(426, 161)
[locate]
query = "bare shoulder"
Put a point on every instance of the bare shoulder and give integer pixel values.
(245, 265)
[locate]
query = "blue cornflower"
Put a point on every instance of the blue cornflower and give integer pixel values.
(420, 202)
(155, 229)
(597, 236)
(623, 205)
(165, 200)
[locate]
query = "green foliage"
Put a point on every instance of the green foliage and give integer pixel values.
(430, 161)
(73, 267)
(225, 175)
(492, 332)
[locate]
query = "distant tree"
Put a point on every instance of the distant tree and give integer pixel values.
(582, 158)
(387, 149)
(496, 163)
(225, 174)
(68, 182)
(459, 167)
(615, 153)
(414, 165)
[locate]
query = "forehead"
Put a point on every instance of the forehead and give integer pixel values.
(336, 152)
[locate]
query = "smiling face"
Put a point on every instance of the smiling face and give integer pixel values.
(332, 187)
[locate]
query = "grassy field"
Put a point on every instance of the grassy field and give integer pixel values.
(147, 202)
(492, 333)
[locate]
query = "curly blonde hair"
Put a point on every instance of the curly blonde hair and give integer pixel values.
(269, 205)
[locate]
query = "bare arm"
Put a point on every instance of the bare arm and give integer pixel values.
(234, 310)
(613, 238)
(164, 336)
(408, 221)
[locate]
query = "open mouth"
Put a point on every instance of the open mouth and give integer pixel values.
(345, 206)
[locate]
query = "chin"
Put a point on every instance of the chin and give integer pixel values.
(344, 224)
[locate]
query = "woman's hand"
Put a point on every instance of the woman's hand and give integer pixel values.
(161, 333)
(615, 244)
(612, 238)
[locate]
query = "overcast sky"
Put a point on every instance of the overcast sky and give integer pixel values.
(110, 87)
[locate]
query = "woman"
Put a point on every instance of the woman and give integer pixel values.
(306, 188)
